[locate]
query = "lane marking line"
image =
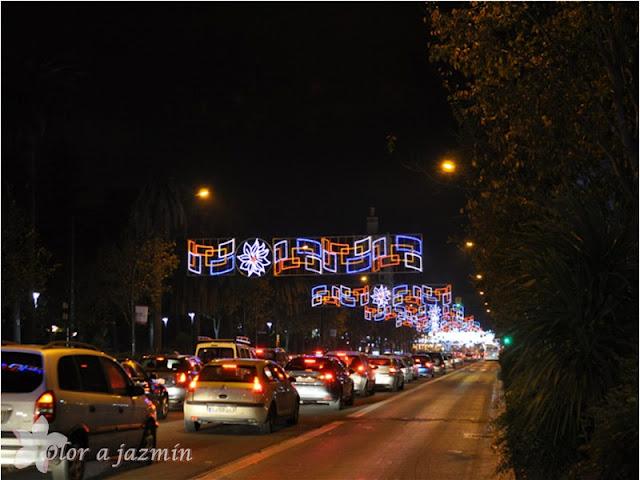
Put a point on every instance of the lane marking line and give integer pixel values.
(374, 406)
(253, 458)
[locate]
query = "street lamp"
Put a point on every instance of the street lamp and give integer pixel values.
(203, 193)
(448, 166)
(35, 296)
(165, 320)
(469, 244)
(269, 325)
(192, 315)
(364, 279)
(479, 276)
(488, 310)
(481, 292)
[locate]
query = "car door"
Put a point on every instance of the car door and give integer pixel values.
(128, 427)
(292, 393)
(281, 397)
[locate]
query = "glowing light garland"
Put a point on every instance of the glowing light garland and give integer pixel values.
(395, 253)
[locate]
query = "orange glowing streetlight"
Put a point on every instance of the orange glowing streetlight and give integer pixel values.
(448, 166)
(203, 193)
(481, 293)
(488, 310)
(364, 279)
(469, 244)
(478, 276)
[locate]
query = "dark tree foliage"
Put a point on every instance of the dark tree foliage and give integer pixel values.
(546, 95)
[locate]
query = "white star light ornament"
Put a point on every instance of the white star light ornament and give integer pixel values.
(255, 258)
(381, 296)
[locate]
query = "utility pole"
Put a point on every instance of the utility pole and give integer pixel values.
(72, 291)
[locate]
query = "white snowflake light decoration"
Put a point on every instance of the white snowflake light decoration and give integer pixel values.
(255, 258)
(381, 296)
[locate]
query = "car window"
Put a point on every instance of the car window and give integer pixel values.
(380, 361)
(164, 363)
(22, 372)
(115, 376)
(92, 377)
(68, 376)
(228, 373)
(271, 373)
(282, 375)
(207, 354)
(313, 364)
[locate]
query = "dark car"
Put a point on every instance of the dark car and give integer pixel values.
(439, 364)
(277, 354)
(321, 380)
(156, 392)
(425, 364)
(175, 372)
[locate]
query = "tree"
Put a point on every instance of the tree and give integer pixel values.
(547, 101)
(137, 271)
(26, 265)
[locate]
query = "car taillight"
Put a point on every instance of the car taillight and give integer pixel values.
(417, 361)
(193, 384)
(360, 369)
(181, 377)
(429, 364)
(327, 376)
(393, 370)
(45, 407)
(257, 386)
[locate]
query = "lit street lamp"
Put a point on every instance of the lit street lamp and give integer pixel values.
(481, 293)
(192, 315)
(469, 244)
(165, 320)
(35, 296)
(448, 166)
(479, 276)
(203, 193)
(364, 279)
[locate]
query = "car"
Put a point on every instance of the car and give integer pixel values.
(208, 349)
(322, 380)
(363, 376)
(458, 359)
(84, 394)
(424, 364)
(439, 365)
(407, 367)
(174, 371)
(241, 391)
(277, 354)
(156, 392)
(388, 372)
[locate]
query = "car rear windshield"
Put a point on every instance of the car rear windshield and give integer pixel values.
(163, 363)
(380, 361)
(21, 372)
(228, 373)
(315, 364)
(348, 360)
(207, 354)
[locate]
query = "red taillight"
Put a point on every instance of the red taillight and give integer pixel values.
(259, 351)
(309, 360)
(327, 376)
(257, 386)
(429, 364)
(392, 370)
(193, 384)
(318, 353)
(229, 366)
(45, 407)
(360, 368)
(181, 377)
(417, 361)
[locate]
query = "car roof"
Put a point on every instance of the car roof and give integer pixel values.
(249, 361)
(346, 352)
(44, 349)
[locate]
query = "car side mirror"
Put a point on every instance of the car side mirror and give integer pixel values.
(136, 391)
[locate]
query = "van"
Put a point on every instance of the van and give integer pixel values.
(208, 349)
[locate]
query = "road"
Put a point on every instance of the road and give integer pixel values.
(435, 429)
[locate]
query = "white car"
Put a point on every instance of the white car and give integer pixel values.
(82, 393)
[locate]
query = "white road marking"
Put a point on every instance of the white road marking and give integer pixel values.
(253, 458)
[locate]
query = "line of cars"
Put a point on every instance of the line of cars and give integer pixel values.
(97, 402)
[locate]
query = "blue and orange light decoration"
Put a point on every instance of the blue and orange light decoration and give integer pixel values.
(395, 253)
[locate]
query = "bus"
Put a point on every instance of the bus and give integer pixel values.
(491, 352)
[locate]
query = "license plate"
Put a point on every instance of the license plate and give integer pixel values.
(221, 409)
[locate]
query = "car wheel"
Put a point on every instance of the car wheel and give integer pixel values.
(338, 404)
(148, 441)
(69, 469)
(351, 399)
(267, 426)
(163, 408)
(190, 426)
(293, 420)
(401, 386)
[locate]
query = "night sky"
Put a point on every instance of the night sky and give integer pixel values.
(283, 109)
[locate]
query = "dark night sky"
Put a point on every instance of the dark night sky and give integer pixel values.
(282, 108)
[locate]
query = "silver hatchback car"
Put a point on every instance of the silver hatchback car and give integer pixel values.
(241, 391)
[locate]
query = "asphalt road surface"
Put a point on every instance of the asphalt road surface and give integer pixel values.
(435, 429)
